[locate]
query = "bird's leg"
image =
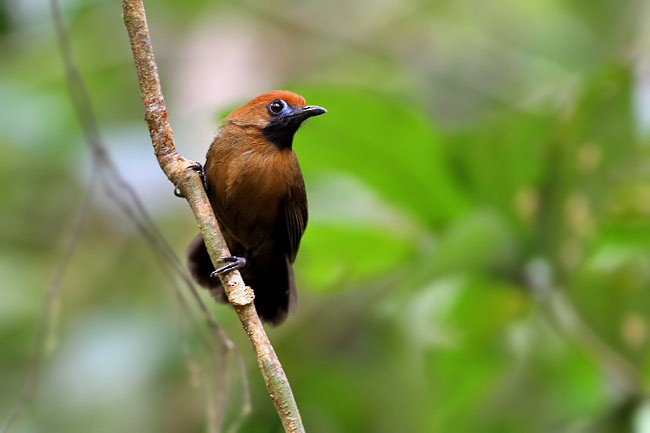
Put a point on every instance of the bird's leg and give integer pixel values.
(199, 169)
(232, 263)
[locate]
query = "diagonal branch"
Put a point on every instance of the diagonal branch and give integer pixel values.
(179, 171)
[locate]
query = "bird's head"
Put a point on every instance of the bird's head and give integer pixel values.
(277, 114)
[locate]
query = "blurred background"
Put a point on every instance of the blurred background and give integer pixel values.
(477, 255)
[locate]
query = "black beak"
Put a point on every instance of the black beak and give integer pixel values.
(300, 114)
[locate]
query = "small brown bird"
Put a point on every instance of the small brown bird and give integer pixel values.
(256, 189)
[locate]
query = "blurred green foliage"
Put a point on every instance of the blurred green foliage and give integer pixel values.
(477, 256)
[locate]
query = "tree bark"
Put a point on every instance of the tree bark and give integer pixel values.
(180, 172)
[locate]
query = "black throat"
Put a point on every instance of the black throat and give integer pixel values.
(280, 132)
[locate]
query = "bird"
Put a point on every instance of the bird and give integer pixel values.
(256, 189)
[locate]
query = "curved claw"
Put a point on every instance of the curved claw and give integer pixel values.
(199, 169)
(232, 263)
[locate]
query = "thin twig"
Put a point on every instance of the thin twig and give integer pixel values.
(563, 315)
(122, 194)
(105, 171)
(47, 311)
(178, 170)
(624, 375)
(220, 361)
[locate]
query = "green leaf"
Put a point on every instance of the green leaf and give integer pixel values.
(333, 257)
(389, 145)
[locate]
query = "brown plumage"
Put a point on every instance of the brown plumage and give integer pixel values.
(256, 189)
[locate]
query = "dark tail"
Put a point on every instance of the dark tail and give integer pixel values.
(271, 278)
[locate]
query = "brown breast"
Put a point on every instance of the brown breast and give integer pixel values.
(249, 180)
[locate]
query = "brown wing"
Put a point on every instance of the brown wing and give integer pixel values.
(295, 213)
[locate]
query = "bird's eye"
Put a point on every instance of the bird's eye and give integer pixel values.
(276, 107)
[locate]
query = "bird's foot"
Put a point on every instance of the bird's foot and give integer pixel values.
(232, 263)
(199, 169)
